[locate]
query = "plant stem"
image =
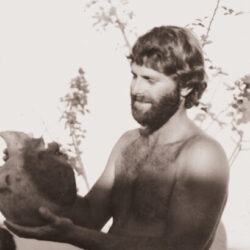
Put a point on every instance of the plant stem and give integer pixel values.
(81, 169)
(121, 28)
(235, 154)
(210, 23)
(236, 151)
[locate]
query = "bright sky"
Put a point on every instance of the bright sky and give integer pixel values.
(43, 43)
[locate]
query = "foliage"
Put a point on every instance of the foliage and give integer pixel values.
(106, 14)
(203, 27)
(240, 105)
(237, 111)
(75, 103)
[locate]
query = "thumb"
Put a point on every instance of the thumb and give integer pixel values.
(48, 215)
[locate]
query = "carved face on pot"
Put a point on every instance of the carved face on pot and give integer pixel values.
(34, 176)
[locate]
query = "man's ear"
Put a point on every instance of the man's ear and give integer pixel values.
(185, 91)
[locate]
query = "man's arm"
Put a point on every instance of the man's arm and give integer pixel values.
(93, 210)
(199, 196)
(195, 209)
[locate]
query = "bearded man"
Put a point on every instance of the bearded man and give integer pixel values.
(165, 184)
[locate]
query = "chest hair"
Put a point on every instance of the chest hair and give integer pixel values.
(145, 177)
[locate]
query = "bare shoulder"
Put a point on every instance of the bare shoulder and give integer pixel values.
(204, 160)
(128, 137)
(130, 134)
(123, 142)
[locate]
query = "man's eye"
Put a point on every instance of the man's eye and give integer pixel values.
(151, 81)
(134, 76)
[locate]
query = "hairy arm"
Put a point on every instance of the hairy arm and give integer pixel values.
(93, 210)
(195, 211)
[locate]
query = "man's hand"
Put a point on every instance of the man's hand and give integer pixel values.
(58, 228)
(5, 154)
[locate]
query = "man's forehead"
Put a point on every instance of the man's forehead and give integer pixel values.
(144, 70)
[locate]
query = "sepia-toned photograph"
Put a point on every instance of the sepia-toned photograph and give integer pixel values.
(125, 125)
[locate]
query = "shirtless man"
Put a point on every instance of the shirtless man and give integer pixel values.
(165, 183)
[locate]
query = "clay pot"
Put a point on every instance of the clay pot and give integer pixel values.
(34, 176)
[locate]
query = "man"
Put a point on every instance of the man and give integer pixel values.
(7, 241)
(165, 183)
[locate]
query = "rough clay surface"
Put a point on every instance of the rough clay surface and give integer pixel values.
(34, 176)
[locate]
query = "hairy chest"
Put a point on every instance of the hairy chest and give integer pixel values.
(144, 182)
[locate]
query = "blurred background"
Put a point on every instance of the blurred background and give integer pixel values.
(64, 76)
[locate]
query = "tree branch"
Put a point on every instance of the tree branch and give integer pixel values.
(211, 22)
(121, 28)
(79, 160)
(234, 154)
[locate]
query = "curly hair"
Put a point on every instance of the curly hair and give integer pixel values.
(176, 52)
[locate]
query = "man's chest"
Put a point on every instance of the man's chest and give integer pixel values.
(144, 182)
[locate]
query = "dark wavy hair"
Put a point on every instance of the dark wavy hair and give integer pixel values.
(176, 52)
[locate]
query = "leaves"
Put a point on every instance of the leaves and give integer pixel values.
(75, 102)
(245, 107)
(239, 107)
(106, 14)
(237, 111)
(116, 14)
(241, 100)
(230, 11)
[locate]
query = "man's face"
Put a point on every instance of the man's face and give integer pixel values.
(155, 97)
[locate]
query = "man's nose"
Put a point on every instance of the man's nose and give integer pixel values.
(137, 86)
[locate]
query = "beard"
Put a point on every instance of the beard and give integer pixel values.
(159, 113)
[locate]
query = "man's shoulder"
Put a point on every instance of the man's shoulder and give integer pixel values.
(205, 160)
(129, 136)
(125, 139)
(204, 145)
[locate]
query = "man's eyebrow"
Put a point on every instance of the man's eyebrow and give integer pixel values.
(147, 77)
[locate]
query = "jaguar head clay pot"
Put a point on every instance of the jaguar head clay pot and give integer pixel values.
(34, 176)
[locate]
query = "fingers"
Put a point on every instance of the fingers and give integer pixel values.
(55, 230)
(34, 232)
(6, 154)
(54, 147)
(48, 216)
(53, 219)
(23, 231)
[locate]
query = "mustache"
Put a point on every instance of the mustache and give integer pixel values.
(141, 98)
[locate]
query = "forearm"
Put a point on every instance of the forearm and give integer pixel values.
(81, 214)
(88, 214)
(89, 239)
(93, 240)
